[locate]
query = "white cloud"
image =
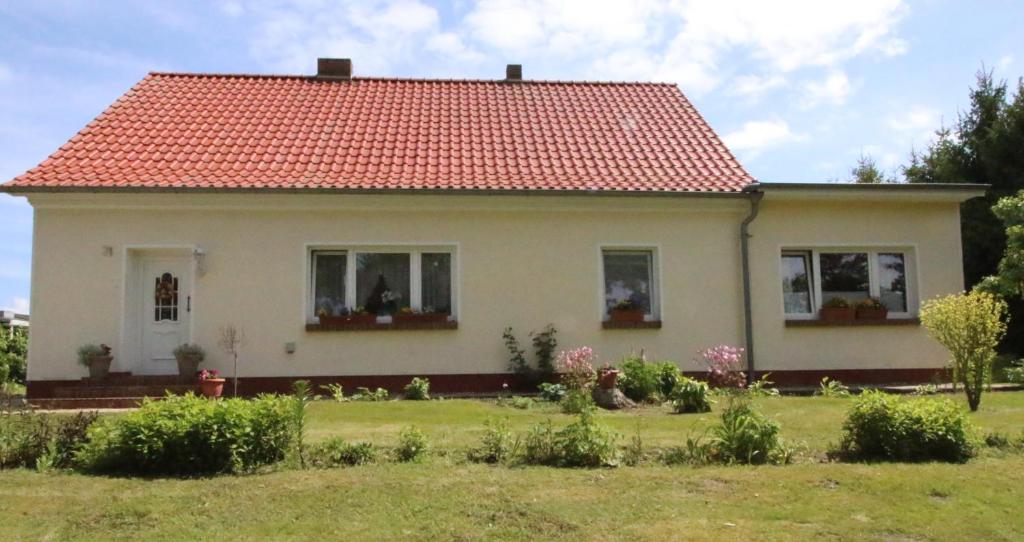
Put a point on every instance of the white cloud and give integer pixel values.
(834, 89)
(232, 8)
(450, 44)
(756, 136)
(918, 123)
(5, 73)
(754, 87)
(19, 305)
(1004, 62)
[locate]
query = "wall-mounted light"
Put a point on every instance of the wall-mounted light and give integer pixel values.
(108, 250)
(199, 255)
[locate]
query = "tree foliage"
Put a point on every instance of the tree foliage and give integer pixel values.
(983, 146)
(13, 355)
(867, 172)
(970, 326)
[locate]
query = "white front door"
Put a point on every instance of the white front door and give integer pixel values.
(166, 312)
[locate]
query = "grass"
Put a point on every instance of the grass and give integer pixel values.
(446, 498)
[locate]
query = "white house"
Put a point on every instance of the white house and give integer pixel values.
(273, 203)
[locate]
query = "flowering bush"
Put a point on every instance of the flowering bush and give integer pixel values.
(208, 374)
(724, 363)
(577, 367)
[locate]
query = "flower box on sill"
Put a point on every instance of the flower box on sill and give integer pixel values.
(364, 319)
(626, 315)
(414, 317)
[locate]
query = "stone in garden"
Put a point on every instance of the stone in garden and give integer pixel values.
(611, 399)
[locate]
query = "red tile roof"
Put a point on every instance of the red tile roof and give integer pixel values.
(193, 131)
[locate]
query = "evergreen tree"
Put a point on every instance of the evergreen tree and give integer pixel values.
(986, 145)
(867, 172)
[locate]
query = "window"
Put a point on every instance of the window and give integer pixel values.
(796, 282)
(629, 276)
(812, 277)
(165, 302)
(382, 282)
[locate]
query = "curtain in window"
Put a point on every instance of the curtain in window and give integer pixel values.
(892, 281)
(436, 269)
(796, 283)
(382, 281)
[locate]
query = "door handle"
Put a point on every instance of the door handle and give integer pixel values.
(188, 304)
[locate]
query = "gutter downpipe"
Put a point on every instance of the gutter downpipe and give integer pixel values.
(748, 319)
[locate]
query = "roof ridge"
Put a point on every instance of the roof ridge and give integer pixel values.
(407, 79)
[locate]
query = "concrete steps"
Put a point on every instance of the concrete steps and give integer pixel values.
(117, 390)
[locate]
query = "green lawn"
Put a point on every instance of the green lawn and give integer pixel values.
(446, 498)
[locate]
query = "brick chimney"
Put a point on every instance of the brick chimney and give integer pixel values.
(334, 68)
(514, 72)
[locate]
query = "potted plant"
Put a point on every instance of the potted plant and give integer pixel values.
(607, 377)
(872, 309)
(626, 311)
(837, 309)
(427, 314)
(210, 383)
(188, 356)
(96, 358)
(346, 316)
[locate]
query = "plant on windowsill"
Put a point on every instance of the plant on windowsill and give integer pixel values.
(872, 309)
(427, 314)
(346, 316)
(188, 356)
(837, 309)
(626, 311)
(96, 358)
(210, 383)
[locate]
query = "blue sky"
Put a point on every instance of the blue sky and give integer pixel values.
(798, 89)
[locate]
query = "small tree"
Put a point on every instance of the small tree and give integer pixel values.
(1009, 281)
(969, 325)
(231, 341)
(867, 172)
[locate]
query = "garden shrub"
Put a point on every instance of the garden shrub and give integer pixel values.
(762, 387)
(586, 443)
(690, 395)
(335, 391)
(832, 388)
(41, 441)
(364, 394)
(539, 445)
(640, 381)
(746, 436)
(724, 364)
(577, 401)
(413, 445)
(881, 426)
(497, 445)
(668, 377)
(335, 452)
(188, 435)
(417, 390)
(522, 403)
(551, 392)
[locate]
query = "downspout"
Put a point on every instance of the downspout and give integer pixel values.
(748, 318)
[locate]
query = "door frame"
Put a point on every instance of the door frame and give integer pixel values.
(130, 357)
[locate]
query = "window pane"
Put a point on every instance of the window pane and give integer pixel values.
(628, 276)
(329, 282)
(844, 275)
(437, 282)
(796, 284)
(892, 282)
(382, 282)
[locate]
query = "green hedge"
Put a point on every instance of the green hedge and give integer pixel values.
(881, 426)
(190, 435)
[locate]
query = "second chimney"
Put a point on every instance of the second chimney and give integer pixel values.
(514, 72)
(334, 68)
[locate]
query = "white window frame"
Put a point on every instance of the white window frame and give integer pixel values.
(415, 253)
(655, 314)
(874, 290)
(809, 259)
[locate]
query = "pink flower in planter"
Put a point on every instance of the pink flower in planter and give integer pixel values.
(724, 364)
(208, 374)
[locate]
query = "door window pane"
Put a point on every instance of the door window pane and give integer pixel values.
(796, 283)
(382, 281)
(329, 282)
(892, 281)
(436, 282)
(629, 275)
(165, 303)
(844, 274)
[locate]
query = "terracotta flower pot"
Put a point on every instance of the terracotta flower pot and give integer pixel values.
(607, 379)
(631, 315)
(188, 366)
(400, 318)
(837, 314)
(211, 387)
(864, 313)
(99, 366)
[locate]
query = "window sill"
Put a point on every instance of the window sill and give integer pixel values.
(652, 324)
(392, 326)
(854, 323)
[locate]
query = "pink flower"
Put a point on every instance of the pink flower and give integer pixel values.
(577, 367)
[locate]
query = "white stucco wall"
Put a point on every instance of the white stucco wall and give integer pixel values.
(522, 262)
